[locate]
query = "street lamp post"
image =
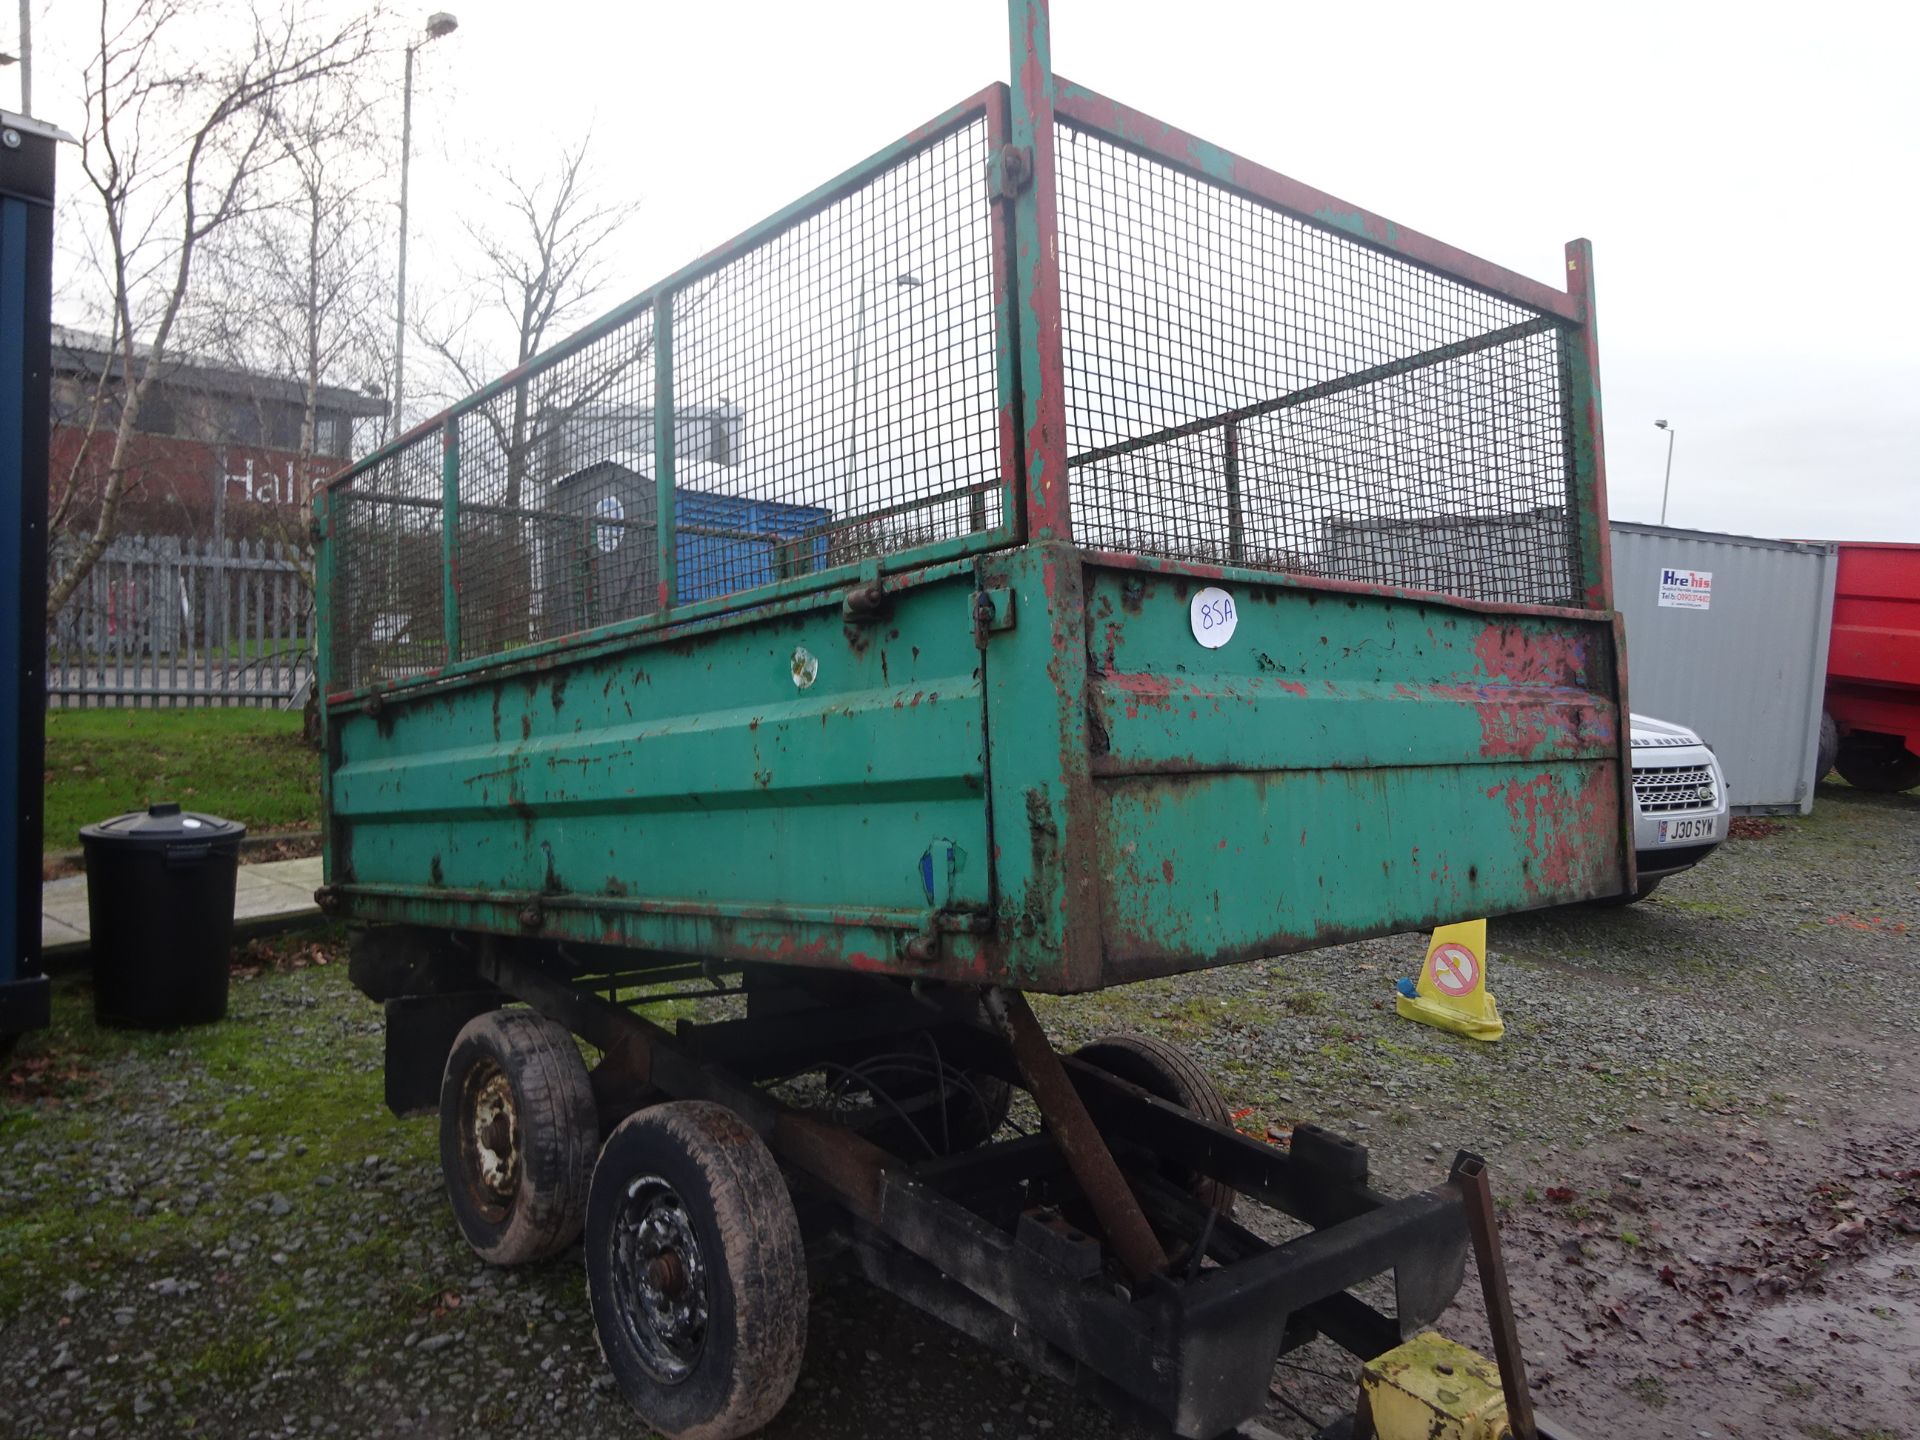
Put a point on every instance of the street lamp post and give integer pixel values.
(439, 23)
(26, 57)
(1667, 484)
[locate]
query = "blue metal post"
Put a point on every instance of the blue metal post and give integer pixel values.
(26, 309)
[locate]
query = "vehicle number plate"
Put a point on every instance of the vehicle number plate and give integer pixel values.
(1688, 832)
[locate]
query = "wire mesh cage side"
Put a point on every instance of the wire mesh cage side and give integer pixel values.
(387, 614)
(856, 349)
(557, 497)
(1247, 388)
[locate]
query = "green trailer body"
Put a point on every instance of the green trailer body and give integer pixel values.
(1046, 371)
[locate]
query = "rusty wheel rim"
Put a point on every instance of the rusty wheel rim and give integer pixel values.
(490, 1139)
(659, 1280)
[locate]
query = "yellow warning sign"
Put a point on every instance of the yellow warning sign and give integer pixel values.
(1451, 992)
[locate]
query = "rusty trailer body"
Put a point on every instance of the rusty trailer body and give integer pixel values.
(961, 585)
(927, 476)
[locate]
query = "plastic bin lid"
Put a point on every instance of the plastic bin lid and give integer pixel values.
(162, 824)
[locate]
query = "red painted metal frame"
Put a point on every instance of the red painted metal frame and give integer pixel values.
(1086, 109)
(1006, 343)
(1037, 278)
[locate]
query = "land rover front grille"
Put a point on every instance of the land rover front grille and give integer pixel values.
(1673, 787)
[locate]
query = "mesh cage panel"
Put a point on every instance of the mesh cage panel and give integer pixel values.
(854, 352)
(557, 497)
(1245, 388)
(388, 599)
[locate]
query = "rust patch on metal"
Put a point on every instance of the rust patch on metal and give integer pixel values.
(1523, 656)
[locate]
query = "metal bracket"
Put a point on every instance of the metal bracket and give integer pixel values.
(865, 603)
(992, 610)
(1010, 171)
(1065, 1115)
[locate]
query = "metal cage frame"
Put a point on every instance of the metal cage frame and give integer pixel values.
(1031, 487)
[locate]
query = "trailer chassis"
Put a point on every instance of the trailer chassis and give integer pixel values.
(1178, 1315)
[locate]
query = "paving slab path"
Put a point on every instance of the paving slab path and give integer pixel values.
(267, 896)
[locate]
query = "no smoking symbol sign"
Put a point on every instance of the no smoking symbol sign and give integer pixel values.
(1456, 970)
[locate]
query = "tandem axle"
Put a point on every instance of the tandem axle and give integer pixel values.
(1100, 1248)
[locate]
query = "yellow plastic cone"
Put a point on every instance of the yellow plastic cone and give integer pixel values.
(1451, 992)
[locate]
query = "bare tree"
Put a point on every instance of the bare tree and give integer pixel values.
(174, 146)
(294, 288)
(543, 252)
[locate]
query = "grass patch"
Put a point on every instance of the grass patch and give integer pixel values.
(246, 765)
(1649, 1391)
(232, 1361)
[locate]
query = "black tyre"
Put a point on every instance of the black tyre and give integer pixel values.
(517, 1136)
(1882, 769)
(695, 1271)
(1168, 1072)
(1829, 749)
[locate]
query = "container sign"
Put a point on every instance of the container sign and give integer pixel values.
(1213, 617)
(1686, 589)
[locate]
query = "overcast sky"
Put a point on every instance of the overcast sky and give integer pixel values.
(1747, 175)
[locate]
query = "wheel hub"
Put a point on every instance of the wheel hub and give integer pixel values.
(660, 1279)
(493, 1134)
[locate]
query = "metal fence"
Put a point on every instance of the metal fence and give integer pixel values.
(162, 621)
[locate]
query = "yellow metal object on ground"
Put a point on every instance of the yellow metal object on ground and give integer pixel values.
(1451, 992)
(1433, 1389)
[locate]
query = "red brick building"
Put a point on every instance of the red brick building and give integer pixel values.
(212, 443)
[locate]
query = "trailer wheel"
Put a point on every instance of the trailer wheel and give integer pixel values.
(1882, 769)
(695, 1271)
(1168, 1072)
(1829, 748)
(517, 1136)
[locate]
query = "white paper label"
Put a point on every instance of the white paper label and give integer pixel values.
(1686, 589)
(805, 666)
(1213, 617)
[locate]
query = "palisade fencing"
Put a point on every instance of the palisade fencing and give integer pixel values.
(166, 621)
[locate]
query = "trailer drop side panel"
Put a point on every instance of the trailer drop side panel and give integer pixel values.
(830, 603)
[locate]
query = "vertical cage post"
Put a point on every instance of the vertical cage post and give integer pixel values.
(325, 601)
(1006, 348)
(1236, 517)
(1042, 371)
(1586, 452)
(450, 534)
(663, 448)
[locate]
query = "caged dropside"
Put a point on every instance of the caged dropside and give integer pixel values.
(1000, 571)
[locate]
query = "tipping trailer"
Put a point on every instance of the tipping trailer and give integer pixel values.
(995, 651)
(1871, 728)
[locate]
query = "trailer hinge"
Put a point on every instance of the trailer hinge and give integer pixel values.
(992, 610)
(1009, 171)
(866, 603)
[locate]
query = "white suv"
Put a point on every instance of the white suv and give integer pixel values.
(1679, 802)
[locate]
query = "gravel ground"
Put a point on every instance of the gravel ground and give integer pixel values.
(1702, 1125)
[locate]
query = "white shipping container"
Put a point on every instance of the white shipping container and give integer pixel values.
(1727, 635)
